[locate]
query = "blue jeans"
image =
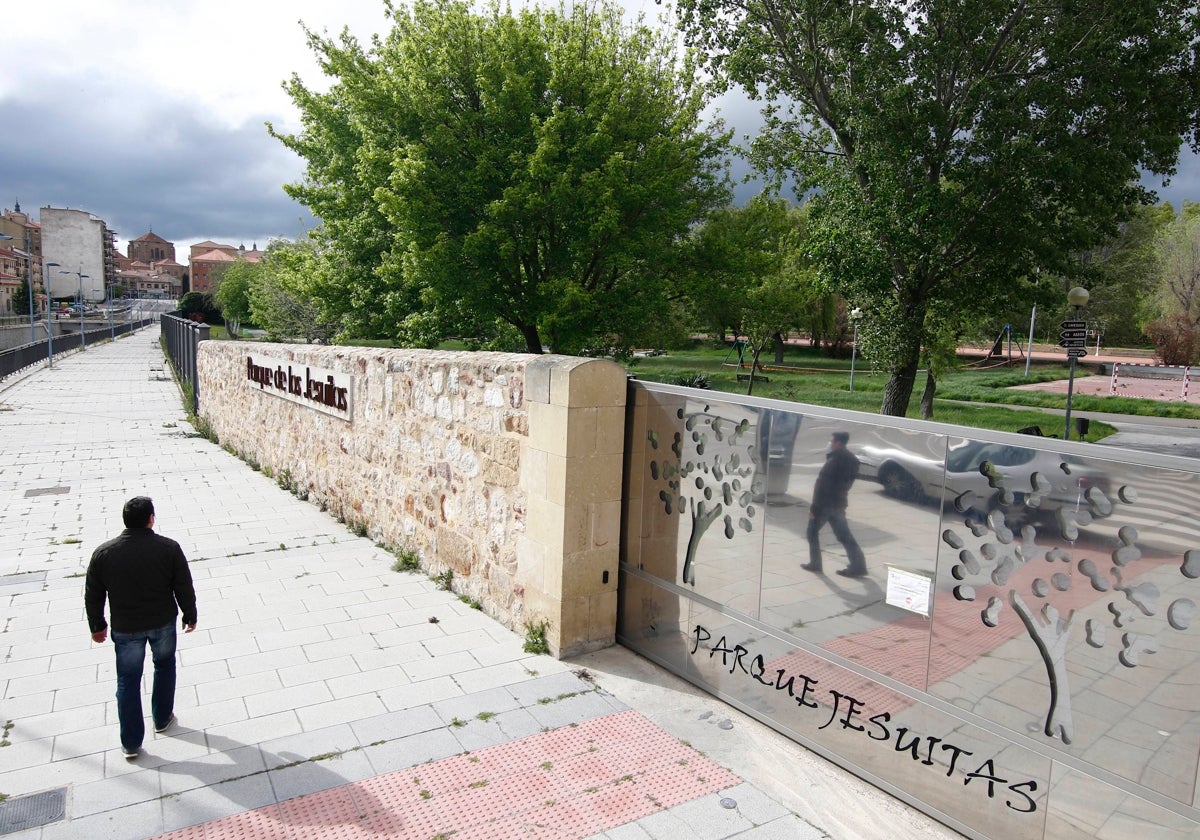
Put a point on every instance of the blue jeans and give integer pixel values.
(131, 656)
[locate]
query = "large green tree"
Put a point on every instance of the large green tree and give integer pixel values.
(287, 293)
(746, 272)
(233, 294)
(954, 146)
(1178, 248)
(534, 166)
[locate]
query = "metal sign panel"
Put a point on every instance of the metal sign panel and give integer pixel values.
(1073, 334)
(1076, 352)
(1072, 325)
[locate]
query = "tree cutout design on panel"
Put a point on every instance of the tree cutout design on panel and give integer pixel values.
(1134, 610)
(710, 471)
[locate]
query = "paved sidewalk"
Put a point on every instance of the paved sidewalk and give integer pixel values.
(323, 694)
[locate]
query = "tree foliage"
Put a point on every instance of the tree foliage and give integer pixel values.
(233, 294)
(200, 306)
(284, 294)
(955, 147)
(20, 299)
(1179, 251)
(534, 167)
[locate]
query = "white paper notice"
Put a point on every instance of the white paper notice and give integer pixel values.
(909, 590)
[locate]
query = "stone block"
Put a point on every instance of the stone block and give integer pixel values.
(610, 430)
(546, 524)
(573, 632)
(579, 382)
(499, 476)
(537, 379)
(594, 478)
(548, 427)
(583, 573)
(606, 524)
(531, 564)
(602, 618)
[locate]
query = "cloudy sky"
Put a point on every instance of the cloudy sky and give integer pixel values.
(150, 113)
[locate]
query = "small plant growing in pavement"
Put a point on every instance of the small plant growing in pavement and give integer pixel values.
(535, 637)
(406, 561)
(443, 580)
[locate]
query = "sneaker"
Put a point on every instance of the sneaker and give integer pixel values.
(809, 567)
(165, 726)
(852, 573)
(130, 755)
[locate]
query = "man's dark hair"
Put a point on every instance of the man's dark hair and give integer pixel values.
(137, 512)
(841, 437)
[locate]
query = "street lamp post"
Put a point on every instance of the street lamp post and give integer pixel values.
(82, 328)
(855, 314)
(1078, 298)
(49, 326)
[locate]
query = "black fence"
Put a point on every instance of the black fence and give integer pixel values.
(19, 358)
(182, 338)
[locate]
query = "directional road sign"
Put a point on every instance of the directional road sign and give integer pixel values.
(1072, 325)
(1073, 334)
(1076, 352)
(1072, 342)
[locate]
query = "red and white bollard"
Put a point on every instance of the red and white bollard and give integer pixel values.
(1112, 387)
(1187, 377)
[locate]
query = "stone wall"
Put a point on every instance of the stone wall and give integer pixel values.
(503, 468)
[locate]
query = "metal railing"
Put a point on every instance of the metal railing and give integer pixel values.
(183, 337)
(27, 355)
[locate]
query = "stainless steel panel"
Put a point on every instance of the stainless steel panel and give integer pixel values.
(1062, 590)
(1083, 807)
(964, 772)
(1070, 620)
(652, 620)
(704, 484)
(895, 526)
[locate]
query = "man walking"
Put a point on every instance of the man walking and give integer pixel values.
(144, 576)
(830, 497)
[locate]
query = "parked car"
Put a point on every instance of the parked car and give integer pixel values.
(979, 476)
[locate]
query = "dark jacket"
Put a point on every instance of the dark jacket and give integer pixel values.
(143, 575)
(834, 480)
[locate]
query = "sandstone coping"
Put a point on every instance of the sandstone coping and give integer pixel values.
(504, 469)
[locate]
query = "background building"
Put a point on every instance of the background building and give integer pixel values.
(82, 244)
(150, 270)
(20, 259)
(209, 260)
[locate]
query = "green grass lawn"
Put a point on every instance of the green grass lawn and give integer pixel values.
(819, 380)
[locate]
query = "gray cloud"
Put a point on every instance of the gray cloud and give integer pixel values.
(161, 164)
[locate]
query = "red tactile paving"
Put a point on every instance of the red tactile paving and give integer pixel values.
(572, 782)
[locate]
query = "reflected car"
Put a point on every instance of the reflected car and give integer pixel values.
(979, 476)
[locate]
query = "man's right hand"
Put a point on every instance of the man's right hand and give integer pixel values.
(188, 628)
(100, 636)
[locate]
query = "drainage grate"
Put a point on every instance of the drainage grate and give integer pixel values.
(46, 491)
(30, 811)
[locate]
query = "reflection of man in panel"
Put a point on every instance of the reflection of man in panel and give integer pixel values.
(829, 505)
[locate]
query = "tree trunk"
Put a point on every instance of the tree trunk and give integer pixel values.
(779, 348)
(927, 395)
(898, 391)
(533, 341)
